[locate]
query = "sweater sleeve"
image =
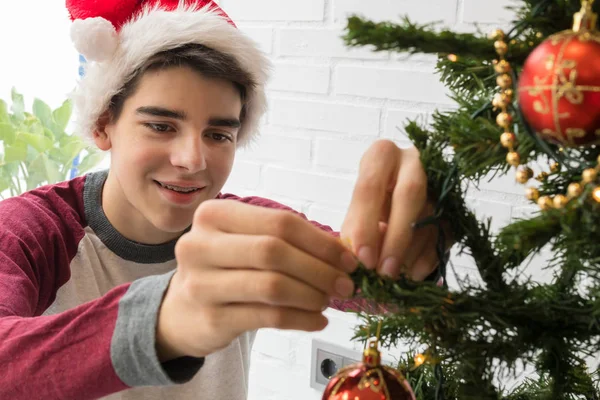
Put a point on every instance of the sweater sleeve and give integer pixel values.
(65, 355)
(98, 348)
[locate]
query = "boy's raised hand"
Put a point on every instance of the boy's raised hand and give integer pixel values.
(391, 192)
(244, 267)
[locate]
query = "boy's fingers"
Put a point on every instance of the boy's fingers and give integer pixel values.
(265, 287)
(265, 253)
(425, 264)
(377, 170)
(250, 317)
(232, 216)
(408, 202)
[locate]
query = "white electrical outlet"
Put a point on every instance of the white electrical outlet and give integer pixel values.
(326, 360)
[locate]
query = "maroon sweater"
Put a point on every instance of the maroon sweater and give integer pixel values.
(79, 304)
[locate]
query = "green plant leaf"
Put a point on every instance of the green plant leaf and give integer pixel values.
(38, 142)
(18, 105)
(51, 169)
(62, 115)
(43, 112)
(72, 149)
(48, 133)
(3, 111)
(89, 162)
(9, 170)
(7, 133)
(42, 170)
(33, 125)
(5, 183)
(35, 180)
(16, 152)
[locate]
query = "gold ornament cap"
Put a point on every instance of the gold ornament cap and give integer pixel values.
(371, 355)
(585, 19)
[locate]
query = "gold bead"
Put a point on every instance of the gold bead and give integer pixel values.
(501, 47)
(545, 202)
(560, 201)
(524, 174)
(501, 101)
(508, 140)
(539, 35)
(504, 81)
(554, 167)
(502, 67)
(574, 190)
(513, 158)
(598, 160)
(596, 194)
(453, 57)
(504, 120)
(541, 176)
(497, 34)
(589, 175)
(532, 194)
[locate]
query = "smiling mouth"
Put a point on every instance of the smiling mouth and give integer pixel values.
(179, 189)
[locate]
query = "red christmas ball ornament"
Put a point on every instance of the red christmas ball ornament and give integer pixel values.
(368, 380)
(559, 87)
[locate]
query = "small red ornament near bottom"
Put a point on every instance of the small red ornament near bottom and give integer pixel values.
(368, 380)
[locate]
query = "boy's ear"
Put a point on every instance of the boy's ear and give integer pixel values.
(101, 134)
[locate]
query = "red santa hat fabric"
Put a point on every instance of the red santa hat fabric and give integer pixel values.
(117, 36)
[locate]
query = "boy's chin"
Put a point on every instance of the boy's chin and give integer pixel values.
(173, 225)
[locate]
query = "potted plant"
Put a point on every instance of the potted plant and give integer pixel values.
(35, 148)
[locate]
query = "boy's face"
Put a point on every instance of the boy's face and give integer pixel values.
(172, 147)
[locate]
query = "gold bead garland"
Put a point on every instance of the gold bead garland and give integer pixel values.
(501, 101)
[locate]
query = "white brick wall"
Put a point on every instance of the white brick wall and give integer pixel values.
(327, 105)
(333, 116)
(274, 10)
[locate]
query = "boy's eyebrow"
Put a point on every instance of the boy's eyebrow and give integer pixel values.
(225, 122)
(175, 114)
(162, 112)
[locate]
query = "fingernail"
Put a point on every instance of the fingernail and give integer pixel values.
(390, 267)
(367, 256)
(344, 287)
(349, 262)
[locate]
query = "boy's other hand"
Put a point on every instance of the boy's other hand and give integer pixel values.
(244, 267)
(389, 197)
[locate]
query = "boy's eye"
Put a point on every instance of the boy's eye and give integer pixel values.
(161, 128)
(219, 137)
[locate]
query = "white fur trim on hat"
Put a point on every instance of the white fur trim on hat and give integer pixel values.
(95, 38)
(155, 30)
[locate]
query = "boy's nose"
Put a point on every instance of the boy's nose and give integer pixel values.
(189, 154)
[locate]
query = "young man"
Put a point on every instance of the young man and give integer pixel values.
(147, 275)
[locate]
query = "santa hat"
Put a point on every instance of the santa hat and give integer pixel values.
(117, 36)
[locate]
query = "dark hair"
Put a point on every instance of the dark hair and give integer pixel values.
(206, 61)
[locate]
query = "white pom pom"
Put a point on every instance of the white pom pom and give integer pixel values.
(95, 38)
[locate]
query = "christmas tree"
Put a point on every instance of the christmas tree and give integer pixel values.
(527, 102)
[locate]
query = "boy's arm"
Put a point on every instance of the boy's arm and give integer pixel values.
(100, 347)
